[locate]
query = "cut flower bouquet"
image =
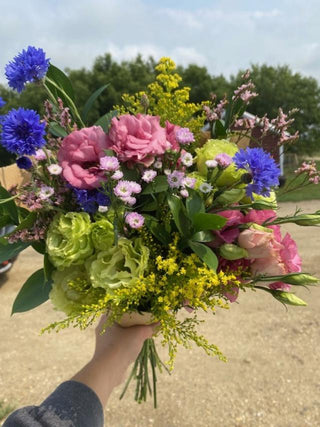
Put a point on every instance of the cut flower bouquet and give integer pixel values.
(153, 209)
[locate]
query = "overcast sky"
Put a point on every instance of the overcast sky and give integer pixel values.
(223, 35)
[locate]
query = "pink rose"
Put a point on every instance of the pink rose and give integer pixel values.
(171, 130)
(137, 139)
(79, 156)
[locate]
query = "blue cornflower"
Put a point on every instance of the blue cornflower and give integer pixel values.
(28, 66)
(90, 200)
(22, 132)
(2, 102)
(24, 162)
(263, 170)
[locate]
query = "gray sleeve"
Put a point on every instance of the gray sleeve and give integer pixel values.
(72, 404)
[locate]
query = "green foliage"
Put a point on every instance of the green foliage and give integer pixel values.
(34, 292)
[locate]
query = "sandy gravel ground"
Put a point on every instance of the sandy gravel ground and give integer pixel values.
(272, 377)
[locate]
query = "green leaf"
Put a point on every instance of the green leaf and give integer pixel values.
(48, 267)
(57, 130)
(180, 216)
(89, 103)
(205, 254)
(194, 203)
(207, 221)
(60, 78)
(105, 120)
(5, 220)
(159, 184)
(219, 130)
(150, 206)
(157, 230)
(9, 207)
(129, 174)
(202, 236)
(39, 246)
(11, 250)
(34, 292)
(230, 196)
(27, 222)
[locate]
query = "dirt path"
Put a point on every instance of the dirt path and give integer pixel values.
(272, 377)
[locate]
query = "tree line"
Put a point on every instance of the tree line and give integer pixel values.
(277, 87)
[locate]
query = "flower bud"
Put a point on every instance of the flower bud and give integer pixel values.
(307, 219)
(287, 298)
(232, 252)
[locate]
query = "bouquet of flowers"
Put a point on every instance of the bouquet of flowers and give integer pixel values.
(152, 209)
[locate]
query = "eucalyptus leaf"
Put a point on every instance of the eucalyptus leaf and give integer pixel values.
(219, 130)
(47, 267)
(202, 236)
(33, 293)
(39, 246)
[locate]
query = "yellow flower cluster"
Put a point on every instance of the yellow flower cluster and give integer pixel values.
(164, 98)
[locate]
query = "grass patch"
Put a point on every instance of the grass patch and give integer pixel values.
(309, 192)
(5, 410)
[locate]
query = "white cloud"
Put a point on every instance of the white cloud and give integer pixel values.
(224, 35)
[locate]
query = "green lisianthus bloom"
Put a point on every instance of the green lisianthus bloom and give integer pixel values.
(119, 265)
(102, 234)
(209, 151)
(71, 290)
(69, 239)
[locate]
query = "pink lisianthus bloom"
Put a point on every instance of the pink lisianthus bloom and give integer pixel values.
(229, 232)
(284, 261)
(259, 216)
(171, 130)
(79, 156)
(137, 139)
(260, 242)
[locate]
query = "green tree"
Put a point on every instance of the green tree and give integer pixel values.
(202, 84)
(280, 87)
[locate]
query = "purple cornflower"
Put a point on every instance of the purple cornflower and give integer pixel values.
(175, 179)
(28, 66)
(223, 160)
(24, 163)
(90, 200)
(2, 102)
(184, 136)
(135, 220)
(22, 132)
(109, 163)
(149, 175)
(262, 168)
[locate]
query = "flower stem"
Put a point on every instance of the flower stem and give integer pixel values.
(140, 372)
